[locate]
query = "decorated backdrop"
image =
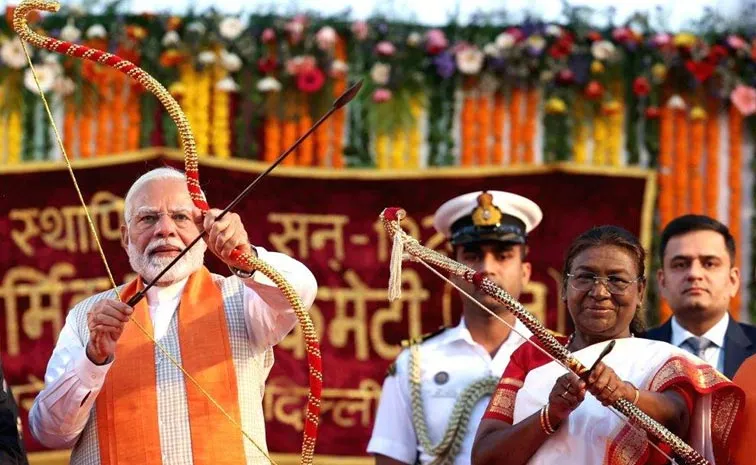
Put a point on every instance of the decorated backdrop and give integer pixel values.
(328, 219)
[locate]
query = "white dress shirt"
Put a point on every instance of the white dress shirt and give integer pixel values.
(463, 361)
(714, 353)
(72, 382)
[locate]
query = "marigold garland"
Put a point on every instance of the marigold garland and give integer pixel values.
(398, 148)
(322, 142)
(289, 131)
(468, 129)
(529, 128)
(580, 134)
(499, 120)
(134, 116)
(734, 179)
(483, 115)
(666, 181)
(681, 174)
(201, 124)
(697, 133)
(69, 126)
(15, 137)
(221, 110)
(712, 161)
(415, 135)
(104, 116)
(600, 131)
(616, 122)
(119, 134)
(307, 149)
(272, 131)
(337, 132)
(515, 137)
(382, 151)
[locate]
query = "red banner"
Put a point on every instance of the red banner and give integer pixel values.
(326, 219)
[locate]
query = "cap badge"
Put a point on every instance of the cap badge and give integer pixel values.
(486, 213)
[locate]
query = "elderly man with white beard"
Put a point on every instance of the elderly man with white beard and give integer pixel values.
(113, 396)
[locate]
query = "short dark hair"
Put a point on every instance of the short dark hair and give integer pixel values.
(689, 223)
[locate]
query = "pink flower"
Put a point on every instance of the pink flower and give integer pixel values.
(295, 28)
(662, 40)
(382, 95)
(300, 64)
(736, 42)
(268, 35)
(360, 30)
(310, 81)
(385, 48)
(435, 41)
(326, 38)
(744, 99)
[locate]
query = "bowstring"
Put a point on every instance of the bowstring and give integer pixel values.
(93, 229)
(527, 339)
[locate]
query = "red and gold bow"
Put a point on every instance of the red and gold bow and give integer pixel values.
(243, 261)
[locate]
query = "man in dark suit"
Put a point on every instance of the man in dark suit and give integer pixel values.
(698, 279)
(12, 451)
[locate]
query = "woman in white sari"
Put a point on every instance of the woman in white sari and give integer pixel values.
(540, 413)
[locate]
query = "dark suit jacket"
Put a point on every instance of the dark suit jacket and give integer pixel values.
(12, 451)
(740, 342)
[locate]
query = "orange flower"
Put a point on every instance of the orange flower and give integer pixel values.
(171, 58)
(174, 22)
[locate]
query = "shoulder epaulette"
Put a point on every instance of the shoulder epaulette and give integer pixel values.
(420, 339)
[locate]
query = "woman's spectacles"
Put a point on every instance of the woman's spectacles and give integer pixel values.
(614, 284)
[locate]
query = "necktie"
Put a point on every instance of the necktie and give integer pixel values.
(697, 345)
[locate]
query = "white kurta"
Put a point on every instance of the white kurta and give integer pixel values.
(258, 317)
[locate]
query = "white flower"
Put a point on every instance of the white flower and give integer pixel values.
(505, 41)
(46, 75)
(227, 85)
(64, 86)
(231, 28)
(70, 33)
(492, 50)
(380, 73)
(268, 84)
(414, 39)
(206, 58)
(51, 60)
(12, 54)
(470, 60)
(230, 61)
(326, 38)
(676, 102)
(536, 42)
(553, 30)
(602, 50)
(339, 68)
(97, 31)
(196, 27)
(171, 38)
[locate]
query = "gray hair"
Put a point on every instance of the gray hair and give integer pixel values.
(158, 174)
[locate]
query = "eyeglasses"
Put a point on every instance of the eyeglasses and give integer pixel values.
(614, 284)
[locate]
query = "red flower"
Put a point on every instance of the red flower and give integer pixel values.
(561, 47)
(311, 80)
(652, 112)
(516, 33)
(701, 70)
(716, 53)
(267, 65)
(594, 90)
(641, 87)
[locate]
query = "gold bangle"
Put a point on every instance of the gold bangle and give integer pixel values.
(545, 423)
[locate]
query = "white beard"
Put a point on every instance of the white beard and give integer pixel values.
(148, 266)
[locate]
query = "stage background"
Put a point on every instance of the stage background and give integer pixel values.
(328, 220)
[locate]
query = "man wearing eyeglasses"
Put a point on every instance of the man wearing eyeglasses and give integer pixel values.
(115, 396)
(436, 392)
(698, 279)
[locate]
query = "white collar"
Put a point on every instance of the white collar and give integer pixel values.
(716, 334)
(157, 295)
(461, 333)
